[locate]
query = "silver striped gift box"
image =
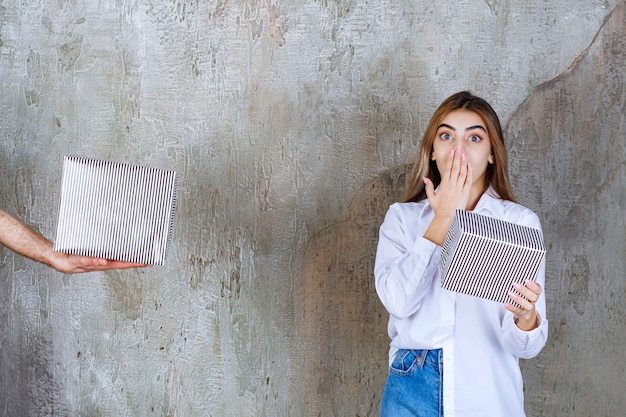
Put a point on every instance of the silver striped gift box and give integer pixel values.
(115, 211)
(483, 256)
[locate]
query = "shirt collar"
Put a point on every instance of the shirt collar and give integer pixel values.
(490, 202)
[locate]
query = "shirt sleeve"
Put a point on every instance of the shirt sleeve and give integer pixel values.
(527, 344)
(405, 266)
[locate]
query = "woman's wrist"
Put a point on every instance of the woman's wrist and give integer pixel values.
(527, 324)
(438, 229)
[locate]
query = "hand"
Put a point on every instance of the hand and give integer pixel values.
(454, 191)
(526, 296)
(73, 264)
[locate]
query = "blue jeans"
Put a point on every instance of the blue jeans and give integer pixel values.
(414, 385)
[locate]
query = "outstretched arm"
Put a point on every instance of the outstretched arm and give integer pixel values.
(20, 238)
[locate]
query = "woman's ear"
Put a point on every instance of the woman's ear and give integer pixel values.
(490, 159)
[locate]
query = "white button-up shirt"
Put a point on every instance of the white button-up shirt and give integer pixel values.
(480, 341)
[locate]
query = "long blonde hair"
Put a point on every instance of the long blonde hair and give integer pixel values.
(497, 174)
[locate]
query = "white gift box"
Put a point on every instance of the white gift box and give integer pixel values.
(115, 211)
(483, 256)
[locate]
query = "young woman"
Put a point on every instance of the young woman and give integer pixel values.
(453, 354)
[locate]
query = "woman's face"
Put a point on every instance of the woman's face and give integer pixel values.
(464, 130)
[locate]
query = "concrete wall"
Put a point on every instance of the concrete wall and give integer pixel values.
(290, 125)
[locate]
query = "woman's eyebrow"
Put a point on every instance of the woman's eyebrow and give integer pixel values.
(468, 129)
(481, 127)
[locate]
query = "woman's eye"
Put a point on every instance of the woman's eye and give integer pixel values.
(445, 136)
(475, 138)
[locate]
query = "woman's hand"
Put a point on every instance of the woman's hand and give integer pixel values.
(526, 296)
(453, 193)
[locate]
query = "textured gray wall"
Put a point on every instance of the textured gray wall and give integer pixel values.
(290, 125)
